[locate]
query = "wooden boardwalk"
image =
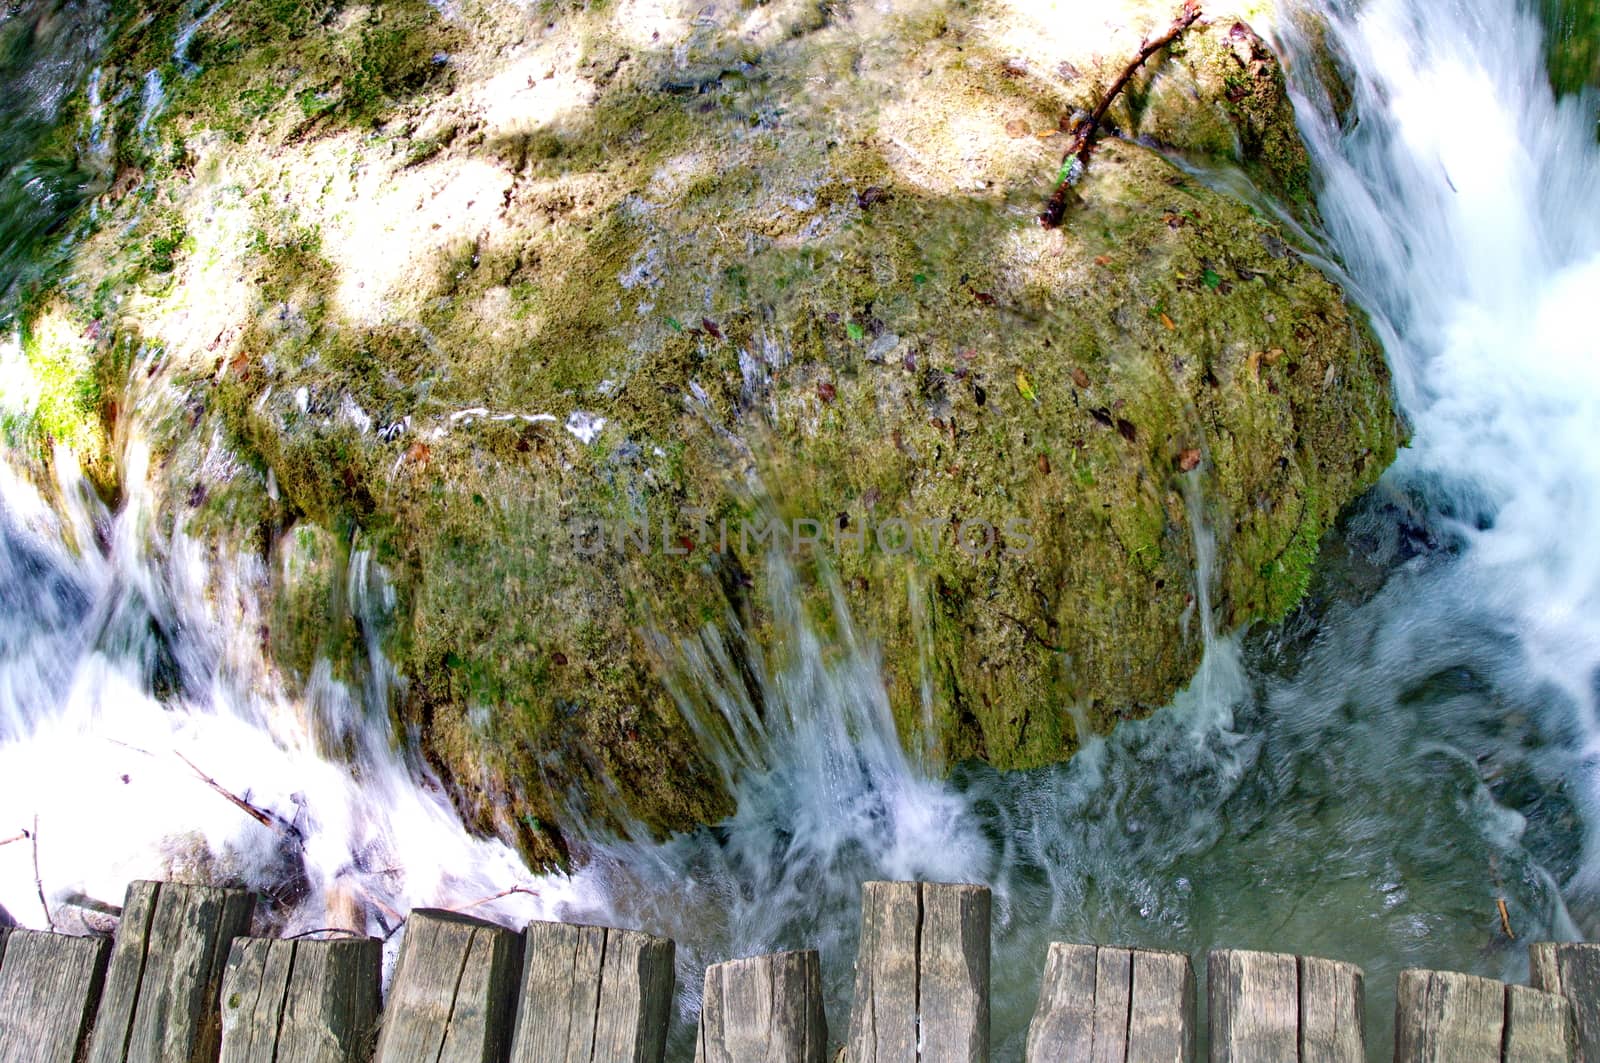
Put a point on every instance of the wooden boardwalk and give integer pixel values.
(182, 981)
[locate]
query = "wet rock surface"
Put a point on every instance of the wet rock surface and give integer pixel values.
(501, 333)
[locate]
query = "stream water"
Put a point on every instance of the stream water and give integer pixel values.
(1366, 781)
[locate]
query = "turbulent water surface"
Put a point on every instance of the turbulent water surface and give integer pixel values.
(1366, 781)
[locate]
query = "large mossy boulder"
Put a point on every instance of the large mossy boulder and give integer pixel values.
(450, 306)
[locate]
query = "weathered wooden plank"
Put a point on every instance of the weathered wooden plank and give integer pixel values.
(953, 976)
(1254, 999)
(254, 985)
(883, 1012)
(1445, 1017)
(635, 998)
(49, 988)
(454, 991)
(1538, 1027)
(1113, 995)
(1332, 1012)
(1062, 1030)
(1113, 1004)
(560, 993)
(1161, 1012)
(1572, 970)
(300, 1001)
(165, 975)
(765, 1009)
(922, 974)
(592, 992)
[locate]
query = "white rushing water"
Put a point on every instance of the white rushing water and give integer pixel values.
(1367, 782)
(1465, 202)
(133, 672)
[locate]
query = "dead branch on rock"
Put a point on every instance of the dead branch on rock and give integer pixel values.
(1081, 145)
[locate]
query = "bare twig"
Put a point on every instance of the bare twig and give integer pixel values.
(261, 816)
(38, 880)
(1082, 143)
(1505, 918)
(503, 893)
(20, 836)
(325, 930)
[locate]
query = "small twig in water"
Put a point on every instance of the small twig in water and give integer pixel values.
(261, 816)
(1082, 143)
(38, 880)
(503, 893)
(1505, 918)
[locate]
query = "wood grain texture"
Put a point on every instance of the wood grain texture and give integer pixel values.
(953, 975)
(1113, 995)
(1444, 1017)
(922, 968)
(1254, 999)
(560, 992)
(454, 991)
(1572, 970)
(1062, 1030)
(592, 993)
(883, 1011)
(1099, 1003)
(765, 1009)
(1161, 1026)
(50, 986)
(1332, 1012)
(1538, 1027)
(300, 1001)
(162, 986)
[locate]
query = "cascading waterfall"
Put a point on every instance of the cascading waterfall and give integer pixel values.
(1366, 781)
(131, 667)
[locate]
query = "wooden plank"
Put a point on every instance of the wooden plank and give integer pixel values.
(300, 1001)
(560, 993)
(635, 997)
(953, 975)
(165, 974)
(50, 986)
(1161, 1012)
(1445, 1017)
(254, 985)
(1113, 995)
(922, 974)
(1062, 1030)
(592, 992)
(883, 1011)
(1254, 999)
(765, 1009)
(1572, 970)
(1332, 1012)
(1538, 1028)
(454, 991)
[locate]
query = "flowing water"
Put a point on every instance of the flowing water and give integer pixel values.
(1366, 781)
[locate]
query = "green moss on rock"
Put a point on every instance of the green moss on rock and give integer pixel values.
(754, 298)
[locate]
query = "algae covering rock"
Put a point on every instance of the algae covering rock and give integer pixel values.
(565, 319)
